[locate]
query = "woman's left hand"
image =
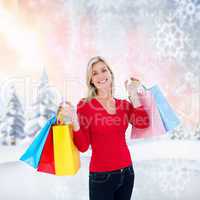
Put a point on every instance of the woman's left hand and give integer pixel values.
(132, 86)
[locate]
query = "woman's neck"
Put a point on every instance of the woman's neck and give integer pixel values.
(104, 94)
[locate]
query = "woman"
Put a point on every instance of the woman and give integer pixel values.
(101, 122)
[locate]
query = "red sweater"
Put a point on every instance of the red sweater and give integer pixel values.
(105, 133)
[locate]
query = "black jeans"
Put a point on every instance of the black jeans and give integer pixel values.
(114, 185)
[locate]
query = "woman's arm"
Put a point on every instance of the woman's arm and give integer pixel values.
(81, 128)
(137, 116)
(135, 100)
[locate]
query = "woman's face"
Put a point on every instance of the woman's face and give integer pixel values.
(101, 76)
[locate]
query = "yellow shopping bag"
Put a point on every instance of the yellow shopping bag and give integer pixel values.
(66, 154)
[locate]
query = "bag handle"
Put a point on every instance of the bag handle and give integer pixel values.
(145, 88)
(58, 117)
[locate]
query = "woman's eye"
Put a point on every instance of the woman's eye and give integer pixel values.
(94, 73)
(104, 70)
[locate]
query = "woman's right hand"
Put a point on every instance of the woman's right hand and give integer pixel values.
(131, 86)
(69, 112)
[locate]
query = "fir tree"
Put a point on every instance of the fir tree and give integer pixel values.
(42, 108)
(13, 122)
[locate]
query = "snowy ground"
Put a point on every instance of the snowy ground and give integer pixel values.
(165, 170)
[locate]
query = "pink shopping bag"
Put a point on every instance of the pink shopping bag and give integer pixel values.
(156, 127)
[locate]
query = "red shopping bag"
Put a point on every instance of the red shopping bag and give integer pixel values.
(156, 126)
(46, 163)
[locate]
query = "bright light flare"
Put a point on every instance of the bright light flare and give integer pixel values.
(25, 42)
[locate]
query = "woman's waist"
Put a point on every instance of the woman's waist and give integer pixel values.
(114, 171)
(110, 155)
(106, 162)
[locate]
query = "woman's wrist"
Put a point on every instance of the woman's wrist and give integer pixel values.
(76, 127)
(134, 99)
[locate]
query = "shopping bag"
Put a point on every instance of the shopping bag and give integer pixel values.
(33, 152)
(156, 127)
(46, 163)
(66, 154)
(168, 116)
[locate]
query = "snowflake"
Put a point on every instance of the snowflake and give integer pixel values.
(170, 40)
(105, 5)
(188, 12)
(194, 61)
(189, 76)
(166, 177)
(192, 80)
(115, 38)
(173, 176)
(147, 3)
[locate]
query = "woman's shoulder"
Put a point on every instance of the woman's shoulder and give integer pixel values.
(84, 104)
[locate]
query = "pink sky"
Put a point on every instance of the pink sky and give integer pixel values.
(34, 38)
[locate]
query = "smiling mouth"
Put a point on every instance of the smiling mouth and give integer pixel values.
(103, 81)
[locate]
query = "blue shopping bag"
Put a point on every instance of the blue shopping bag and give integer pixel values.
(168, 116)
(33, 153)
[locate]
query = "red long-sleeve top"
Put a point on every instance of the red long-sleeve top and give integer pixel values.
(105, 132)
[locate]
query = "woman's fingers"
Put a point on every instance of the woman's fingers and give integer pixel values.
(134, 79)
(65, 103)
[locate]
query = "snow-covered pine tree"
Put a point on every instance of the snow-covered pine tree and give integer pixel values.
(43, 107)
(13, 122)
(1, 125)
(197, 132)
(182, 133)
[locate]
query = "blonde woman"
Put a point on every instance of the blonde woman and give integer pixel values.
(101, 121)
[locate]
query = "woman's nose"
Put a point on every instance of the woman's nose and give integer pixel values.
(101, 76)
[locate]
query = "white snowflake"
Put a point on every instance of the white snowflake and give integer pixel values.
(189, 76)
(173, 176)
(105, 5)
(192, 80)
(194, 61)
(146, 3)
(170, 40)
(188, 12)
(109, 29)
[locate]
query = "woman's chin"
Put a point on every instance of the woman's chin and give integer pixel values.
(104, 87)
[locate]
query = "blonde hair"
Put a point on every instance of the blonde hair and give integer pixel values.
(92, 90)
